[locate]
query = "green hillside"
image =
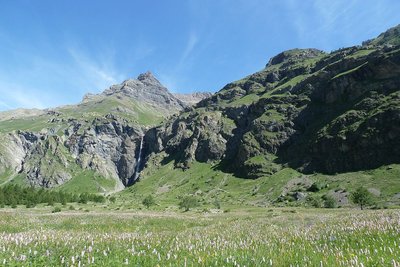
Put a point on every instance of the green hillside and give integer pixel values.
(309, 127)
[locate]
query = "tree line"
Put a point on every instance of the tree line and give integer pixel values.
(13, 195)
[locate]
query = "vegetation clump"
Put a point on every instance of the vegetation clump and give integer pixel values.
(361, 196)
(188, 202)
(56, 209)
(148, 201)
(330, 202)
(314, 201)
(13, 195)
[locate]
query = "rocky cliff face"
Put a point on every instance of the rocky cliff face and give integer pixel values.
(307, 109)
(108, 146)
(103, 135)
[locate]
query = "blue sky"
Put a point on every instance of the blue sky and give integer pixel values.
(53, 52)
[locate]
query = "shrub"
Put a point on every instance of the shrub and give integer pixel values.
(112, 199)
(56, 209)
(217, 205)
(83, 198)
(148, 201)
(30, 205)
(315, 187)
(314, 201)
(188, 202)
(362, 197)
(330, 202)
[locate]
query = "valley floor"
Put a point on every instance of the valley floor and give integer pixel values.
(241, 237)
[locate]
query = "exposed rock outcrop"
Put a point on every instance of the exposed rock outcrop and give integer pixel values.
(313, 111)
(146, 88)
(108, 146)
(309, 110)
(103, 134)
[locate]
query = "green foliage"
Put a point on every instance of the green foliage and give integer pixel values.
(188, 202)
(217, 204)
(314, 201)
(56, 209)
(29, 205)
(148, 201)
(112, 199)
(87, 181)
(14, 195)
(315, 187)
(362, 197)
(330, 202)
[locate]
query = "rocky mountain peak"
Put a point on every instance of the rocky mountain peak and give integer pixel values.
(146, 89)
(148, 79)
(294, 55)
(145, 82)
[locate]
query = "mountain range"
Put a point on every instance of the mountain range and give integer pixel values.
(310, 123)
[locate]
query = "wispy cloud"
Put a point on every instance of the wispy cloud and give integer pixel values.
(93, 73)
(172, 78)
(332, 11)
(41, 82)
(13, 96)
(190, 46)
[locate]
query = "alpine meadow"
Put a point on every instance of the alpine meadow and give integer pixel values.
(296, 164)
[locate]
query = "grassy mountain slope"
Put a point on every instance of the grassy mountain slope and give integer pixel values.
(309, 125)
(168, 185)
(308, 116)
(307, 109)
(88, 147)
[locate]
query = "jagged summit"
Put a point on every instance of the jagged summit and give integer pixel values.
(144, 82)
(148, 78)
(148, 89)
(294, 55)
(145, 89)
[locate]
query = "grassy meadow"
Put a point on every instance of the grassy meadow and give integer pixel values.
(99, 235)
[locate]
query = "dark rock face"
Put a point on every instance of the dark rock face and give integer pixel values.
(307, 109)
(195, 137)
(310, 110)
(105, 142)
(294, 55)
(109, 147)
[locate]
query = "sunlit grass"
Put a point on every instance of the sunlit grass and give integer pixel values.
(255, 237)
